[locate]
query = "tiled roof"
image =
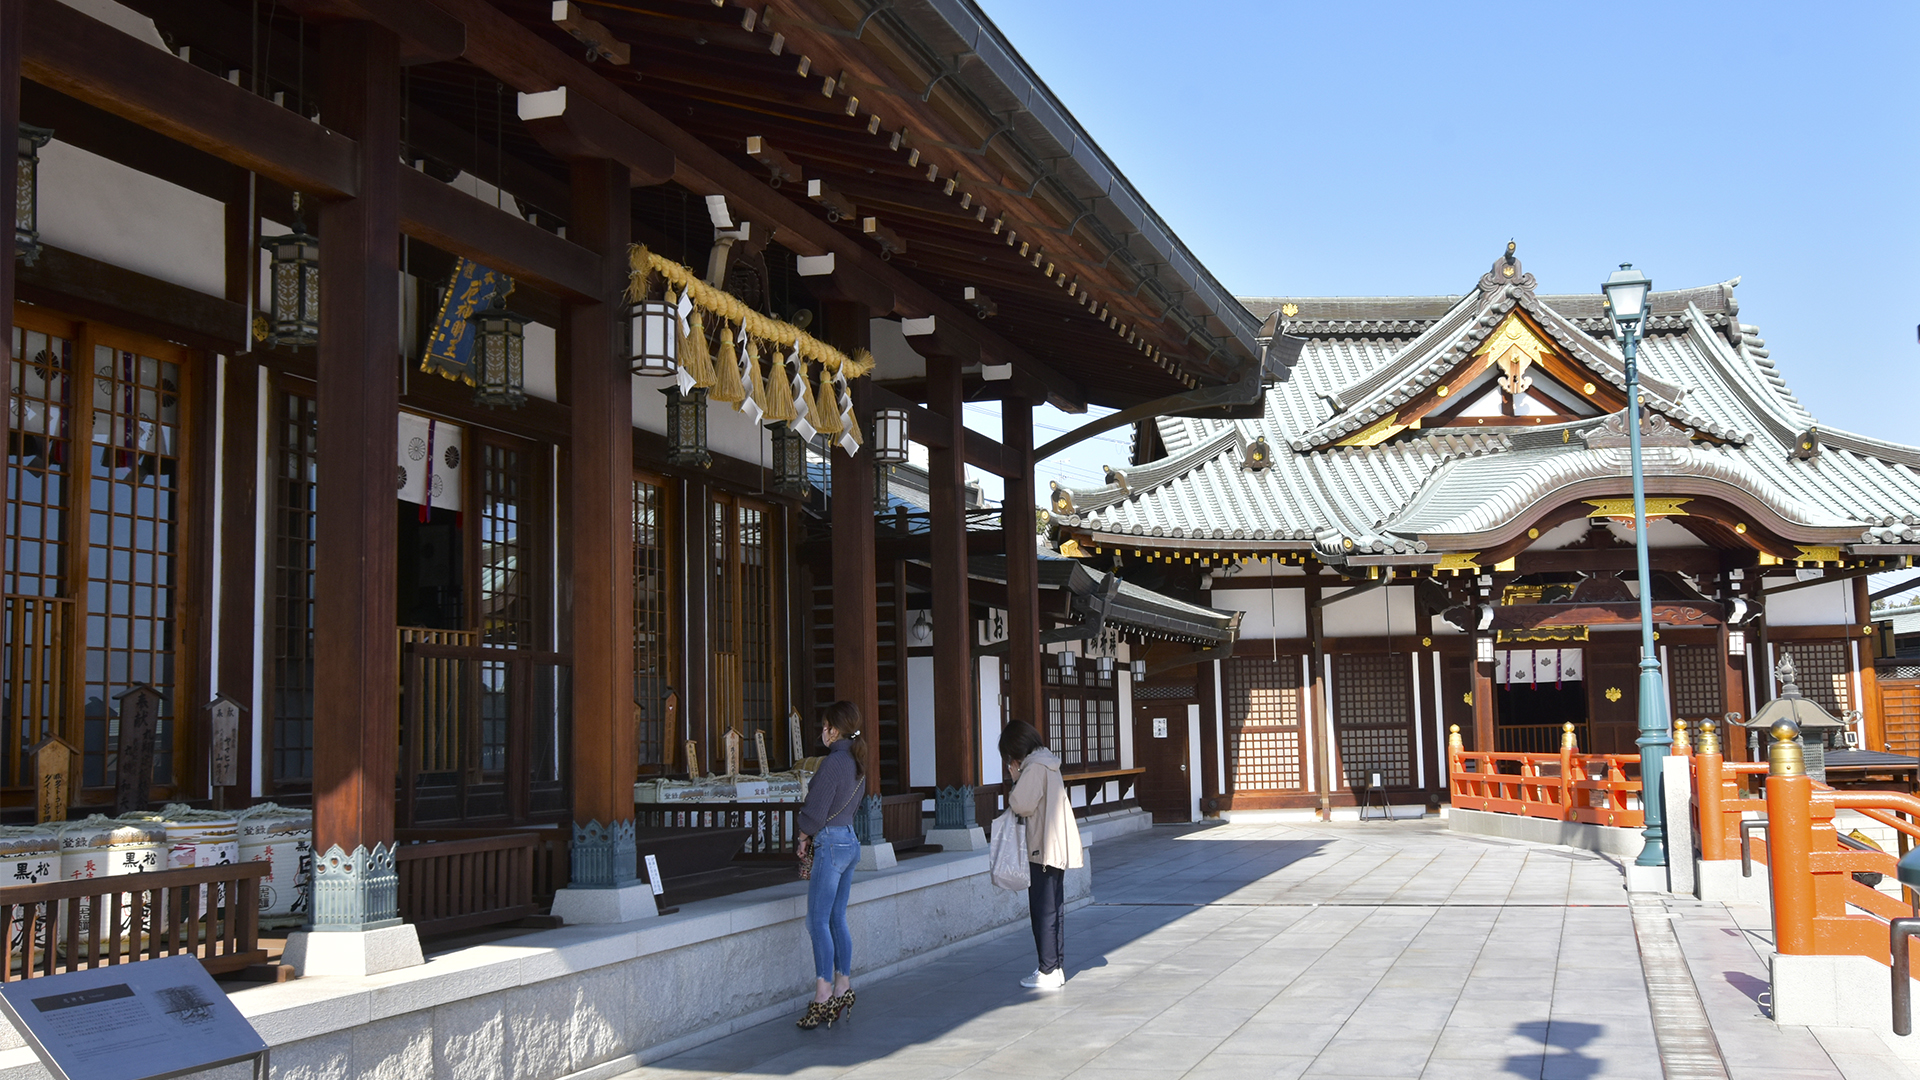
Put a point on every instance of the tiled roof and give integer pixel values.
(1702, 370)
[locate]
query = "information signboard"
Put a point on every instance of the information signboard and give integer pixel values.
(142, 1021)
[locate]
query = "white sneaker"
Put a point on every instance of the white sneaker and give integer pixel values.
(1045, 980)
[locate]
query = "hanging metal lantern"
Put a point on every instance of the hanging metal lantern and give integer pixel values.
(789, 460)
(890, 436)
(687, 427)
(1139, 669)
(1067, 662)
(499, 355)
(293, 317)
(652, 338)
(26, 193)
(1103, 666)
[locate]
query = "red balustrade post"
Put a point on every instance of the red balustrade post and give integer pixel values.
(1710, 793)
(1790, 842)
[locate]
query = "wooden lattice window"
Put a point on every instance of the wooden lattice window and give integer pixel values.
(40, 691)
(509, 583)
(1822, 671)
(1696, 677)
(295, 520)
(745, 672)
(652, 637)
(1083, 715)
(1264, 707)
(1373, 717)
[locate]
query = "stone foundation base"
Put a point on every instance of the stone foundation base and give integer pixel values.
(974, 839)
(355, 953)
(1605, 839)
(597, 907)
(877, 857)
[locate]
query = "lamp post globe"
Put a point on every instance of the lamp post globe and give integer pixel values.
(1626, 291)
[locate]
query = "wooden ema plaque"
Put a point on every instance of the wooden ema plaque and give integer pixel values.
(139, 717)
(223, 764)
(53, 779)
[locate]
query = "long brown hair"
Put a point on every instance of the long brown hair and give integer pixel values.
(844, 717)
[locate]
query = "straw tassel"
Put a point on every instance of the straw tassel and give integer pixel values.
(640, 273)
(726, 372)
(695, 356)
(779, 398)
(826, 412)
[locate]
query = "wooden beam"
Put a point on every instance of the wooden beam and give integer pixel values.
(523, 60)
(954, 715)
(1018, 526)
(89, 60)
(426, 35)
(93, 289)
(600, 517)
(454, 221)
(356, 664)
(572, 127)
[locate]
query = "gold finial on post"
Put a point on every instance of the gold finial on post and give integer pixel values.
(1453, 738)
(1709, 738)
(1568, 742)
(1681, 745)
(1785, 757)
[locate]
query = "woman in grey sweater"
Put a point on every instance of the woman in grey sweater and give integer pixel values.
(825, 825)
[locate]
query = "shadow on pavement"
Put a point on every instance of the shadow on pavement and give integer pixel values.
(1563, 1040)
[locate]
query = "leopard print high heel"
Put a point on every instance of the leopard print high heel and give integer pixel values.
(842, 1005)
(818, 1012)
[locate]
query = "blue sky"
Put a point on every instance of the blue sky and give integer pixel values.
(1393, 148)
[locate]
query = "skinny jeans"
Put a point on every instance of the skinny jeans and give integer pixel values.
(1046, 895)
(835, 853)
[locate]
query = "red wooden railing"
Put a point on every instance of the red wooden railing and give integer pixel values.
(1568, 786)
(1720, 799)
(60, 926)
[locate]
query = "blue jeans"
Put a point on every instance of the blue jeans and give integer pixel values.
(835, 851)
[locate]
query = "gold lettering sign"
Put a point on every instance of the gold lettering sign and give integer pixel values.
(1657, 506)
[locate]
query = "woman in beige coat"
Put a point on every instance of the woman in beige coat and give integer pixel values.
(1039, 798)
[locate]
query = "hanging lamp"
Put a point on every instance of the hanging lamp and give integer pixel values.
(293, 316)
(499, 354)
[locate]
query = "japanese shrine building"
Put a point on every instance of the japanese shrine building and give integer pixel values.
(1441, 478)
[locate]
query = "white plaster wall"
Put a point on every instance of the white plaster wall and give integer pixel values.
(990, 720)
(1816, 605)
(920, 720)
(112, 213)
(540, 359)
(1125, 686)
(1365, 615)
(893, 358)
(728, 432)
(1270, 613)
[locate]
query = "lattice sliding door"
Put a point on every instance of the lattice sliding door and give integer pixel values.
(1696, 681)
(1266, 750)
(652, 626)
(1373, 718)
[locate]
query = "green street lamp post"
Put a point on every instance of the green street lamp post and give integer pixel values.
(1626, 291)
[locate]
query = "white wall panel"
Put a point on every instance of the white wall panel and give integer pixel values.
(1270, 613)
(112, 213)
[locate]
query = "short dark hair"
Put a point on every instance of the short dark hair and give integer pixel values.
(1018, 739)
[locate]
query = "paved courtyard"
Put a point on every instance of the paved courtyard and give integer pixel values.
(1380, 949)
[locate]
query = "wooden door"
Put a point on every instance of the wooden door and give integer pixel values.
(1613, 692)
(1160, 747)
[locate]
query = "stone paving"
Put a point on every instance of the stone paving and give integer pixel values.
(1380, 949)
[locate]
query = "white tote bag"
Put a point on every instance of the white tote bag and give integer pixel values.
(1007, 852)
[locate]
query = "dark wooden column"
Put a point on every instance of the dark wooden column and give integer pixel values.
(356, 662)
(12, 16)
(1319, 717)
(239, 488)
(856, 594)
(954, 716)
(1023, 565)
(601, 517)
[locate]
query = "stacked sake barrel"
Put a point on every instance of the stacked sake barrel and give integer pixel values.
(98, 846)
(194, 838)
(281, 836)
(29, 855)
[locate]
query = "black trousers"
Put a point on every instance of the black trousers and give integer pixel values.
(1046, 900)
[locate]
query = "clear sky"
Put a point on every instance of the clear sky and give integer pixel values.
(1369, 148)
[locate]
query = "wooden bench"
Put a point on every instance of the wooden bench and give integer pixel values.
(1094, 781)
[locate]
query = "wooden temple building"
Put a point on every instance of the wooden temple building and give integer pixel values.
(374, 440)
(1430, 524)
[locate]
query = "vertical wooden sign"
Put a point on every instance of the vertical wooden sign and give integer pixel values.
(223, 765)
(760, 748)
(796, 747)
(53, 779)
(693, 760)
(139, 716)
(669, 728)
(733, 751)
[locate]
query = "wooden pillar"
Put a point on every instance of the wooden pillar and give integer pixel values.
(356, 664)
(856, 593)
(1876, 721)
(1025, 698)
(696, 586)
(12, 17)
(600, 514)
(954, 716)
(1322, 717)
(1433, 714)
(239, 506)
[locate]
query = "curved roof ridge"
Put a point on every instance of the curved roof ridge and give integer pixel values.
(1144, 478)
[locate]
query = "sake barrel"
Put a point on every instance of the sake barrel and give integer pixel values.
(29, 855)
(98, 846)
(282, 837)
(200, 837)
